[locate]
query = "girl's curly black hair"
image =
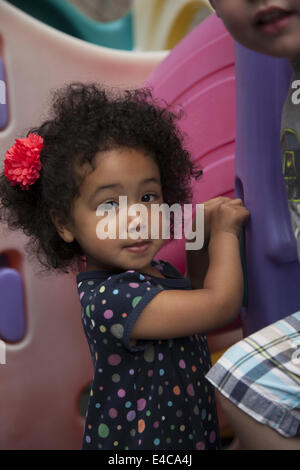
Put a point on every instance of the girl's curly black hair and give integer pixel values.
(88, 119)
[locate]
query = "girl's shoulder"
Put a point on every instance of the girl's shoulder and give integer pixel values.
(167, 269)
(171, 275)
(164, 267)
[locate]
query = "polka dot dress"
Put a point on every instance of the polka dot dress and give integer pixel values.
(147, 395)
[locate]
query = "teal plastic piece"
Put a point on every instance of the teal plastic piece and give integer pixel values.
(62, 15)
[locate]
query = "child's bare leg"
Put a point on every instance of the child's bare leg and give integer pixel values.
(252, 434)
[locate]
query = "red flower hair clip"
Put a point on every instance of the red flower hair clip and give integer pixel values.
(22, 164)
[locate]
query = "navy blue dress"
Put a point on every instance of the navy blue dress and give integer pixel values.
(151, 394)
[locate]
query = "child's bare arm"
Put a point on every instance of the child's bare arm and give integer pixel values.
(180, 313)
(197, 261)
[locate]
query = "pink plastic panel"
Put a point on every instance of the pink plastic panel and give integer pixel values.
(199, 76)
(46, 372)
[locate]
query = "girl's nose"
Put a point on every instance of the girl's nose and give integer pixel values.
(137, 226)
(137, 222)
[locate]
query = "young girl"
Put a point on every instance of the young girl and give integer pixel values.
(144, 322)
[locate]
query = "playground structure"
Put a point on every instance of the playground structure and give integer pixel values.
(160, 25)
(63, 16)
(156, 25)
(46, 353)
(273, 270)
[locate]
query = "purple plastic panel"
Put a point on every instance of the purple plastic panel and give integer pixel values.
(12, 310)
(273, 269)
(3, 97)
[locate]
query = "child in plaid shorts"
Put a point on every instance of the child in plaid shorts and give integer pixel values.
(259, 377)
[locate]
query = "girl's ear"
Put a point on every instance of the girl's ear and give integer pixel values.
(63, 230)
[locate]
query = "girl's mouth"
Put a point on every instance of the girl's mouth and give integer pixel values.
(139, 247)
(272, 20)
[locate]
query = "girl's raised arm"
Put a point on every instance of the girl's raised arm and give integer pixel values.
(176, 313)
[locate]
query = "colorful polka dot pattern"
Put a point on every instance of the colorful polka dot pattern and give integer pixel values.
(150, 395)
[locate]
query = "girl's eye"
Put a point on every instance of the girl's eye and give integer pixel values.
(109, 205)
(148, 197)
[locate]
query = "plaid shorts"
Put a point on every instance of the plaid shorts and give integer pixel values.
(261, 375)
